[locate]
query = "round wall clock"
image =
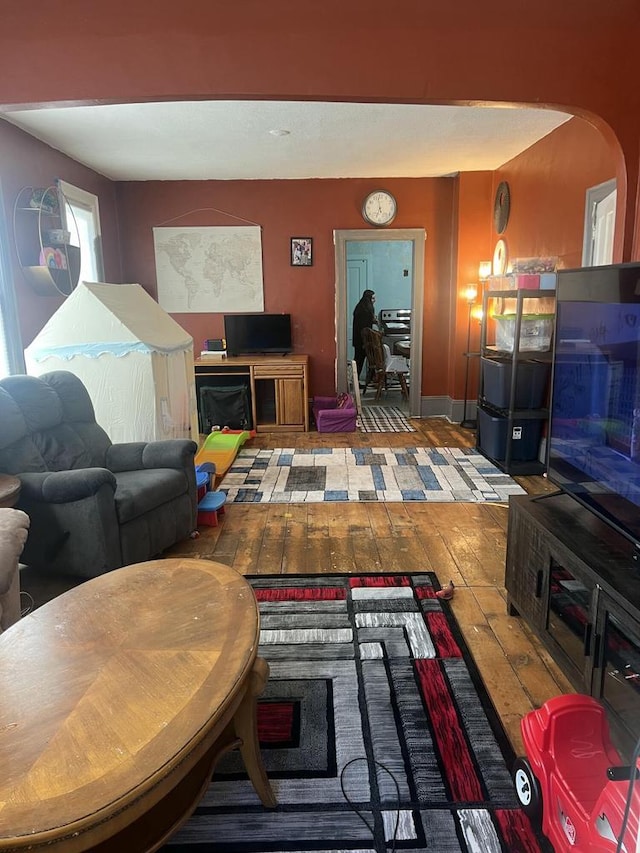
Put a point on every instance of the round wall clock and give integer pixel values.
(501, 207)
(500, 257)
(379, 208)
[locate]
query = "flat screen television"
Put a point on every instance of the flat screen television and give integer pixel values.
(594, 430)
(257, 333)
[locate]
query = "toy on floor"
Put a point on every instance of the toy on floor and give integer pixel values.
(221, 448)
(210, 502)
(446, 593)
(210, 508)
(575, 777)
(205, 475)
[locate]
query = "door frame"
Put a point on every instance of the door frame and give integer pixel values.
(417, 236)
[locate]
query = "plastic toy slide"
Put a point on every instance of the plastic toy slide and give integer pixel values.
(221, 448)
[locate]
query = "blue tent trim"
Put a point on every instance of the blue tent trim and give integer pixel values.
(96, 350)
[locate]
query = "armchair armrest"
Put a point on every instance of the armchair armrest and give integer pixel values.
(14, 527)
(65, 486)
(134, 455)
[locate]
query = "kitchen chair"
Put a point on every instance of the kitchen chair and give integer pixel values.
(382, 365)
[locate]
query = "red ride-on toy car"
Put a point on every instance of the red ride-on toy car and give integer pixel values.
(575, 778)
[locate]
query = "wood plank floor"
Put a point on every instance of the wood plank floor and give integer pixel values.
(462, 542)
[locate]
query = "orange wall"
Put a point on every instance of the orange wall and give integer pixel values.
(547, 186)
(285, 209)
(577, 54)
(474, 203)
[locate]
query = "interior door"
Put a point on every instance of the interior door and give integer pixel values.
(357, 283)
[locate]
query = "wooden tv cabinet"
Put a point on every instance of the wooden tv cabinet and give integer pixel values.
(278, 387)
(576, 581)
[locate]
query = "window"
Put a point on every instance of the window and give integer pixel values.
(82, 218)
(5, 366)
(11, 356)
(599, 224)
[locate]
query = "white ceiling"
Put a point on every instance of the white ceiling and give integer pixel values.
(234, 140)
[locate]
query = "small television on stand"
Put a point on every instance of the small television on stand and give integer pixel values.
(594, 428)
(257, 333)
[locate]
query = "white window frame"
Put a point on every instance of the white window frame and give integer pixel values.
(88, 202)
(594, 196)
(12, 356)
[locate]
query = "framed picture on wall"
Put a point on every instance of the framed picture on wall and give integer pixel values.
(301, 251)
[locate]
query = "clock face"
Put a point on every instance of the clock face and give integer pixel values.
(379, 208)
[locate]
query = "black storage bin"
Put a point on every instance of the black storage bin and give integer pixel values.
(224, 406)
(492, 433)
(531, 382)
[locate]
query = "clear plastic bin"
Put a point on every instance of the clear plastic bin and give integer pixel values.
(535, 332)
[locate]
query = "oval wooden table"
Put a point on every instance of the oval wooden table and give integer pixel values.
(118, 698)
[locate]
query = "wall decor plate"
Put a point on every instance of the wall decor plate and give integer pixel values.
(501, 207)
(500, 257)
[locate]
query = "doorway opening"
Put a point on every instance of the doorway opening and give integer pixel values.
(361, 258)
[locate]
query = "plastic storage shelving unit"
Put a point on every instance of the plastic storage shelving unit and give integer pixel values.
(514, 378)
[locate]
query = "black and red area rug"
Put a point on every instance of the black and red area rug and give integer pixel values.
(374, 704)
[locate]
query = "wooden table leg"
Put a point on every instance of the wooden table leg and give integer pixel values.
(245, 723)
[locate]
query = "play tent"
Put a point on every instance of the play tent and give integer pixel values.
(134, 359)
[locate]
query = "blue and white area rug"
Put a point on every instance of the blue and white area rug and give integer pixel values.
(439, 474)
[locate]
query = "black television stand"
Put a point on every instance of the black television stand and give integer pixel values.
(546, 495)
(575, 580)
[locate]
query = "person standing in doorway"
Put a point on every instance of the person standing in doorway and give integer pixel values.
(364, 317)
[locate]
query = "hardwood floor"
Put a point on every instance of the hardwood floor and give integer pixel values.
(462, 542)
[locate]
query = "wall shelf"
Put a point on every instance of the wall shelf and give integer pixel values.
(37, 216)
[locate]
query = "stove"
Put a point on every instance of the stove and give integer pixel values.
(395, 325)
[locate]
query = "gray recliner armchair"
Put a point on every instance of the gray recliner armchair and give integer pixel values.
(94, 506)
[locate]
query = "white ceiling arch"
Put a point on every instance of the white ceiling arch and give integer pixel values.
(254, 140)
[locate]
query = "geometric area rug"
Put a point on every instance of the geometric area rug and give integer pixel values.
(376, 731)
(386, 474)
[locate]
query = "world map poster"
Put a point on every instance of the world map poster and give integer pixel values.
(206, 269)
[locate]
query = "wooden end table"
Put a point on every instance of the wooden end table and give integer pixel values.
(118, 698)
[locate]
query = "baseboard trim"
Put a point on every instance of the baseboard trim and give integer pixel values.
(446, 407)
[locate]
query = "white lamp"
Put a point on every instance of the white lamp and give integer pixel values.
(484, 270)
